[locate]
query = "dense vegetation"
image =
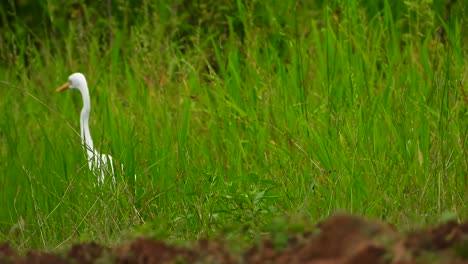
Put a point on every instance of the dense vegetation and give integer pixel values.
(238, 117)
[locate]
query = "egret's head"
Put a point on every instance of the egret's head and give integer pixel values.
(75, 81)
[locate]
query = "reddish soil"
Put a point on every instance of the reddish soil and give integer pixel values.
(340, 239)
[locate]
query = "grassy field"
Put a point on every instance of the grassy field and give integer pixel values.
(238, 120)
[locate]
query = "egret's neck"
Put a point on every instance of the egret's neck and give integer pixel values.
(84, 123)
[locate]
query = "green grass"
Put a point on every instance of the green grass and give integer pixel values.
(295, 111)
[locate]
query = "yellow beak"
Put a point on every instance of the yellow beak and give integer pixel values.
(63, 87)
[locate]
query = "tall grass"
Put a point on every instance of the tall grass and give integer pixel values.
(296, 111)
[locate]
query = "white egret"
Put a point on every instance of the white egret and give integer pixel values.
(100, 164)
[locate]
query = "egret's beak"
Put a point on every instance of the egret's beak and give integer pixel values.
(63, 87)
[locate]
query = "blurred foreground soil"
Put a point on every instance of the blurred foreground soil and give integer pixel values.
(339, 239)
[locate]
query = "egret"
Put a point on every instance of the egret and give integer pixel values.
(98, 163)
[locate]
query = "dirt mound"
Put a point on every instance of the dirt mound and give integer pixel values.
(340, 239)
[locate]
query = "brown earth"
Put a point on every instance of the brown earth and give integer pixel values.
(340, 239)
